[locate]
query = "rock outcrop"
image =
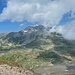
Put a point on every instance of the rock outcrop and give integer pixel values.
(9, 70)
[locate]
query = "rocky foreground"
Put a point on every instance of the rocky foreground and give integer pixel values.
(56, 70)
(8, 70)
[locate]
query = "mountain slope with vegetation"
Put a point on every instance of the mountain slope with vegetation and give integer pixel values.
(52, 49)
(41, 50)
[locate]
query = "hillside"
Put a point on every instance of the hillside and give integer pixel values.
(52, 48)
(34, 50)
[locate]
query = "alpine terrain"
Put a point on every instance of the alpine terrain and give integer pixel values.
(36, 51)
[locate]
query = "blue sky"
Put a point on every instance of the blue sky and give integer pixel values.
(2, 5)
(6, 24)
(66, 18)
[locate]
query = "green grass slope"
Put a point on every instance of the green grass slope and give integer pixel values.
(43, 51)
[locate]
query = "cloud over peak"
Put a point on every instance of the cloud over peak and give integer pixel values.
(67, 30)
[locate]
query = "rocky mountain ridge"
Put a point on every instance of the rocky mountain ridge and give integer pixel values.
(25, 36)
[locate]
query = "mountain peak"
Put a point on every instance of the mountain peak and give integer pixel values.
(27, 35)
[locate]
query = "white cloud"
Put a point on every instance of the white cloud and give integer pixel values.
(21, 25)
(45, 12)
(67, 30)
